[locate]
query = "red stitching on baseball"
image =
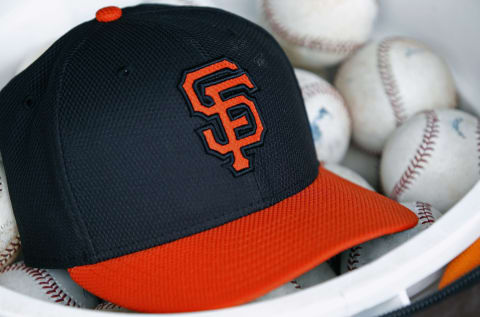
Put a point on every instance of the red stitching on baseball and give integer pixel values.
(388, 80)
(107, 306)
(353, 258)
(423, 153)
(9, 251)
(45, 281)
(297, 286)
(314, 43)
(425, 212)
(318, 88)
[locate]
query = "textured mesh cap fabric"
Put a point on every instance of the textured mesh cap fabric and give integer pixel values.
(163, 154)
(244, 259)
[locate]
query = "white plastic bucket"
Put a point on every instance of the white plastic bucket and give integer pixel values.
(450, 27)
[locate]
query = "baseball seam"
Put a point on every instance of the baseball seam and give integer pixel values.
(352, 260)
(45, 281)
(389, 83)
(424, 213)
(314, 43)
(422, 154)
(316, 88)
(10, 251)
(107, 306)
(297, 286)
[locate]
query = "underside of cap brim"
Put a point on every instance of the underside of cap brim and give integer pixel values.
(241, 260)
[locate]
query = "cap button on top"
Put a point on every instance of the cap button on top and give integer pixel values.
(108, 14)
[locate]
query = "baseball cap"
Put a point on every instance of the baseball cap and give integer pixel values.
(163, 156)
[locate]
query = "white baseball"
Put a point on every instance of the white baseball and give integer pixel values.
(348, 174)
(318, 33)
(107, 306)
(365, 164)
(387, 82)
(367, 252)
(327, 114)
(9, 237)
(54, 286)
(434, 156)
(317, 275)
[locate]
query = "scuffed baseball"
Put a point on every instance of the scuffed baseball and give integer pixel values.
(9, 237)
(348, 174)
(317, 275)
(54, 286)
(365, 164)
(318, 33)
(389, 81)
(367, 252)
(434, 156)
(327, 114)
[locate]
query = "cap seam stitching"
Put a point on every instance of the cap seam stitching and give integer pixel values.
(59, 143)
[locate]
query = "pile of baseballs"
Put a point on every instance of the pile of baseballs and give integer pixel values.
(394, 98)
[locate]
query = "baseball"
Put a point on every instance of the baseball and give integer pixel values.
(318, 33)
(327, 114)
(317, 275)
(49, 285)
(9, 237)
(348, 174)
(365, 164)
(387, 82)
(107, 306)
(434, 156)
(367, 252)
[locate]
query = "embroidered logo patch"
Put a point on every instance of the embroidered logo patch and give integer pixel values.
(220, 93)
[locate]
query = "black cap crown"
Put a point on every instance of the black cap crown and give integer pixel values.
(163, 123)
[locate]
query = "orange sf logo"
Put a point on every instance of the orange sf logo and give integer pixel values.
(238, 114)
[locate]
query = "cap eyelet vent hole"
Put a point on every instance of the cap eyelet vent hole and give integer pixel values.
(28, 102)
(124, 71)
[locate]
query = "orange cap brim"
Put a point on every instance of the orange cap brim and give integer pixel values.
(241, 260)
